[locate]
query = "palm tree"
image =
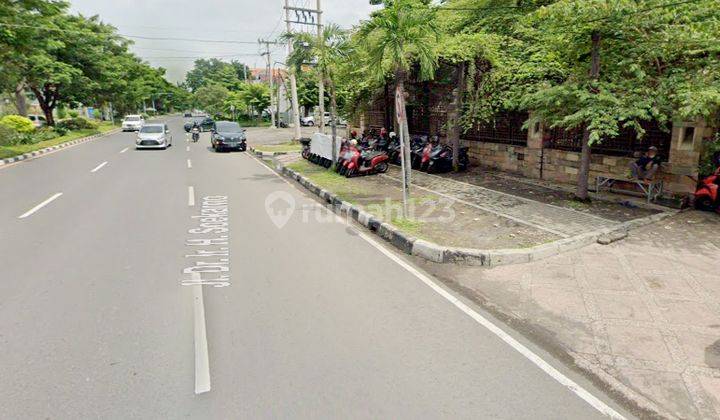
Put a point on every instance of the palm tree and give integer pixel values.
(396, 37)
(325, 54)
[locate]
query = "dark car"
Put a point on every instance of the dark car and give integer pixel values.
(187, 115)
(228, 135)
(206, 123)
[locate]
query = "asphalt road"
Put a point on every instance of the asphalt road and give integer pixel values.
(101, 317)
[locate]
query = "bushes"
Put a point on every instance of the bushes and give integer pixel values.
(710, 156)
(9, 136)
(77, 123)
(18, 123)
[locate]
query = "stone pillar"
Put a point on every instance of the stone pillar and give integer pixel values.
(681, 171)
(533, 151)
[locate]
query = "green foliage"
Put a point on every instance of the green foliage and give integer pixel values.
(78, 123)
(73, 113)
(211, 98)
(711, 153)
(216, 72)
(9, 136)
(18, 123)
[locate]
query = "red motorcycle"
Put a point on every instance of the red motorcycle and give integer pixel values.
(707, 196)
(367, 162)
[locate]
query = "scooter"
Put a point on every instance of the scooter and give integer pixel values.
(365, 162)
(441, 159)
(707, 196)
(305, 148)
(195, 134)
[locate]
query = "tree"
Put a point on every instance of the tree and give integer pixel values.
(327, 52)
(257, 97)
(397, 36)
(211, 98)
(213, 71)
(657, 60)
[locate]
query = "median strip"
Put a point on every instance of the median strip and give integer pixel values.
(39, 206)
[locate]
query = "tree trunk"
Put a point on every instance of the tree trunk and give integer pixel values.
(21, 99)
(454, 115)
(47, 98)
(333, 119)
(584, 171)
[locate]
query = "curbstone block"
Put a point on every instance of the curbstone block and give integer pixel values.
(508, 256)
(429, 251)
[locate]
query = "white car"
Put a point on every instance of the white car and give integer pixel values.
(154, 136)
(38, 120)
(310, 120)
(133, 123)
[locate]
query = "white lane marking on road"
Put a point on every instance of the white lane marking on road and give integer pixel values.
(189, 163)
(187, 149)
(100, 166)
(124, 150)
(202, 359)
(191, 196)
(585, 395)
(39, 206)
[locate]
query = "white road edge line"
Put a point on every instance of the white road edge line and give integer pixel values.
(191, 196)
(39, 206)
(124, 150)
(100, 166)
(189, 163)
(202, 359)
(589, 398)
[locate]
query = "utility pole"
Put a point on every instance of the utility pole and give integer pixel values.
(271, 76)
(321, 81)
(308, 17)
(293, 81)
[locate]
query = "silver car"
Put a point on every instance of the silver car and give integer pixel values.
(154, 136)
(133, 123)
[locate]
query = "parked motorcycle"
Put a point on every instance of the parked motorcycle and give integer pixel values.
(707, 196)
(359, 162)
(441, 159)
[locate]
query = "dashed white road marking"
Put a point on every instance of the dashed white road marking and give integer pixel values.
(124, 150)
(100, 166)
(187, 149)
(191, 196)
(39, 206)
(546, 367)
(189, 163)
(202, 359)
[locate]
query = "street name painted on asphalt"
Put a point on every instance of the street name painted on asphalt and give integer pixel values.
(211, 266)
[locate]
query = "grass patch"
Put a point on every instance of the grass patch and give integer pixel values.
(576, 205)
(289, 147)
(327, 179)
(11, 151)
(410, 226)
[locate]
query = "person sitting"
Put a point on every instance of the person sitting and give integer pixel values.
(646, 167)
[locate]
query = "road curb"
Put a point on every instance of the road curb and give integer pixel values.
(261, 154)
(469, 256)
(37, 153)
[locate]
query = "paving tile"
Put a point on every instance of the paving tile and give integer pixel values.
(711, 386)
(617, 306)
(567, 303)
(644, 343)
(665, 388)
(701, 349)
(687, 313)
(667, 283)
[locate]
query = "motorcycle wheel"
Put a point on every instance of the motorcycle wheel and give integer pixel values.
(382, 167)
(705, 203)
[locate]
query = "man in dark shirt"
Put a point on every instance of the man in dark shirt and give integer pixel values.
(647, 165)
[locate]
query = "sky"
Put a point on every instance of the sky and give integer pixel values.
(217, 20)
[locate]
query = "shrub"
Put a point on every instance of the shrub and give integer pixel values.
(77, 123)
(44, 134)
(62, 112)
(9, 136)
(18, 123)
(73, 113)
(710, 156)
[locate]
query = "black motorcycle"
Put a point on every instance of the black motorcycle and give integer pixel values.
(441, 159)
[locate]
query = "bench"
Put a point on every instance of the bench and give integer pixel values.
(652, 189)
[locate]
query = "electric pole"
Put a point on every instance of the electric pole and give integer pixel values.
(271, 76)
(308, 17)
(321, 81)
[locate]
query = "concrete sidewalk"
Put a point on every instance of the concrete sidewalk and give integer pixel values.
(642, 314)
(561, 221)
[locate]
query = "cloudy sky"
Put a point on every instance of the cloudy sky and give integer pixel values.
(216, 20)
